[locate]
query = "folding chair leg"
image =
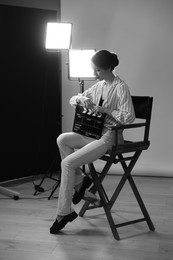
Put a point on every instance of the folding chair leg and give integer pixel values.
(84, 208)
(104, 203)
(128, 175)
(111, 222)
(93, 190)
(106, 206)
(141, 203)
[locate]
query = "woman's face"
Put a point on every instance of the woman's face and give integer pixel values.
(99, 73)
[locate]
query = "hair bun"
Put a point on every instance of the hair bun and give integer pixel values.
(115, 60)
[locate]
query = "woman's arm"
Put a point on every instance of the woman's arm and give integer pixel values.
(119, 106)
(124, 112)
(84, 99)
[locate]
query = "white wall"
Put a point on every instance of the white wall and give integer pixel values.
(140, 31)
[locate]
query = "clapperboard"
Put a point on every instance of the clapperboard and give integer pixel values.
(88, 124)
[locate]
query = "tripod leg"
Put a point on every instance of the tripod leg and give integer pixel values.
(56, 186)
(9, 193)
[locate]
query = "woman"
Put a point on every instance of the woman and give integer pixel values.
(77, 150)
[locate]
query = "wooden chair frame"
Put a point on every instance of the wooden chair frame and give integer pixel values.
(143, 109)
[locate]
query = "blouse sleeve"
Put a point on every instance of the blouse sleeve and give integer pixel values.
(87, 94)
(124, 112)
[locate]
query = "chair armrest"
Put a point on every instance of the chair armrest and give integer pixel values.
(120, 126)
(128, 126)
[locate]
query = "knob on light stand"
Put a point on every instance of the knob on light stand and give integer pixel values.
(81, 85)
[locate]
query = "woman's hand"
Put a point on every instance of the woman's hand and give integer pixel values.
(86, 102)
(103, 110)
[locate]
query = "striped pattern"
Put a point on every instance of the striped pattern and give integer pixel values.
(116, 97)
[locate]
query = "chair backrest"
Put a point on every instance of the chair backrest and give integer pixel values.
(143, 108)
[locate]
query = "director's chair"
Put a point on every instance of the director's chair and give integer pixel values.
(129, 152)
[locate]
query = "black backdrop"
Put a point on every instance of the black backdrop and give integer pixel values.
(30, 81)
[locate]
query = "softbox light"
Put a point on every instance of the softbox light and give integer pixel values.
(58, 36)
(79, 64)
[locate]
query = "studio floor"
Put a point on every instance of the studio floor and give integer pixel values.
(25, 223)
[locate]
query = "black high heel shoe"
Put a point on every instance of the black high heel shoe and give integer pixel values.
(78, 196)
(57, 226)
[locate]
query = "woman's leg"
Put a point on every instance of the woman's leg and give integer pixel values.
(67, 143)
(88, 153)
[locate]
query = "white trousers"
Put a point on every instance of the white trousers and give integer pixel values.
(88, 150)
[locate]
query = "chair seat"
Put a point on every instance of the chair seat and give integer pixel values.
(129, 146)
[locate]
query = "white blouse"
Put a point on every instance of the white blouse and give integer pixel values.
(116, 97)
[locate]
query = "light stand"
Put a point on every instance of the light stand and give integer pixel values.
(81, 85)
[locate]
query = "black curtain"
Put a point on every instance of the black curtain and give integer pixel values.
(30, 92)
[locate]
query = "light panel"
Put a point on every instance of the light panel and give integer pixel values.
(80, 64)
(58, 36)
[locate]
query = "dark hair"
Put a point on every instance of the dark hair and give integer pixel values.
(105, 59)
